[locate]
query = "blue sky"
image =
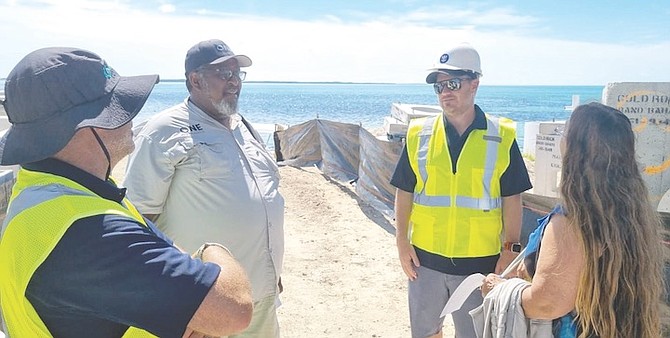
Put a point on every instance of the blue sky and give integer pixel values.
(536, 42)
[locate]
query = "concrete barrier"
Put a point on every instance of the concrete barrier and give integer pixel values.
(548, 159)
(647, 105)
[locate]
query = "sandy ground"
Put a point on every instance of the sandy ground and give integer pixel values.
(341, 273)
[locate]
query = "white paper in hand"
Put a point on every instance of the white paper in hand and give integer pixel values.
(462, 292)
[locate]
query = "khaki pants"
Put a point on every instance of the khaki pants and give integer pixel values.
(264, 322)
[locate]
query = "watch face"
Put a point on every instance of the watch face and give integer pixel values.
(516, 247)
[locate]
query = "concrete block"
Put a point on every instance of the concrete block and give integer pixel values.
(647, 105)
(547, 165)
(406, 112)
(395, 127)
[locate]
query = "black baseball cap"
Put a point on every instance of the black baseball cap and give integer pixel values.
(212, 52)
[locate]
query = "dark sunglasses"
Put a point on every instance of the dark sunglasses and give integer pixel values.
(451, 84)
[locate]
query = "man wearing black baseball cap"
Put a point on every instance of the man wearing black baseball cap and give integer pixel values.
(76, 258)
(200, 160)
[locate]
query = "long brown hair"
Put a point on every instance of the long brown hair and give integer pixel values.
(607, 202)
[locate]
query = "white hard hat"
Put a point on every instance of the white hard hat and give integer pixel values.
(461, 57)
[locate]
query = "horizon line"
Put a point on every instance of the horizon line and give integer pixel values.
(391, 83)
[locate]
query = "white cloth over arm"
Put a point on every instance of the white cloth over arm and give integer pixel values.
(501, 314)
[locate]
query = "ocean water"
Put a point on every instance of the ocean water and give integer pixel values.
(368, 104)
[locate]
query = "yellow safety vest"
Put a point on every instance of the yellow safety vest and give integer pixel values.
(42, 207)
(458, 215)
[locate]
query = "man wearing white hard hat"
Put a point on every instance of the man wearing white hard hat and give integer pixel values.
(458, 199)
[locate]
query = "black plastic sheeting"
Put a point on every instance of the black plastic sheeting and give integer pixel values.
(345, 152)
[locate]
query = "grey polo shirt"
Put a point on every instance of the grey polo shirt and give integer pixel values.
(211, 184)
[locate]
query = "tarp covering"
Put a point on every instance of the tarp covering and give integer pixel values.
(299, 145)
(378, 159)
(339, 149)
(345, 152)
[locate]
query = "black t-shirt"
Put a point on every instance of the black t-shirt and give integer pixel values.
(513, 181)
(109, 272)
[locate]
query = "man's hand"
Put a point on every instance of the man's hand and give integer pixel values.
(408, 258)
(506, 257)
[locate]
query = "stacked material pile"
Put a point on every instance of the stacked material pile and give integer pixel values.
(401, 113)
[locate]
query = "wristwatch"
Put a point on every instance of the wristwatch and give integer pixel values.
(198, 254)
(512, 246)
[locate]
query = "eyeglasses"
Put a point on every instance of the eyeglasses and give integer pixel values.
(451, 84)
(227, 74)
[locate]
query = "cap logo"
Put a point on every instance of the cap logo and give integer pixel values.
(107, 72)
(220, 48)
(444, 58)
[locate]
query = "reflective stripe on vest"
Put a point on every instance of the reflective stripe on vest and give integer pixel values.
(41, 209)
(458, 213)
(484, 203)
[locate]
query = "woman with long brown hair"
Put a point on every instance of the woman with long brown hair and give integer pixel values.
(600, 256)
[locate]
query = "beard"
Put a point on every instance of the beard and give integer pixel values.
(226, 107)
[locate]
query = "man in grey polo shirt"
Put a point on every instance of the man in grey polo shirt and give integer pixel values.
(202, 173)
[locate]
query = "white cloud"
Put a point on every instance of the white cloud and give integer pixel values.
(167, 8)
(380, 50)
(480, 18)
(502, 17)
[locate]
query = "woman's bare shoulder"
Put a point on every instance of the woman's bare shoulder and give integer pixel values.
(561, 239)
(560, 226)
